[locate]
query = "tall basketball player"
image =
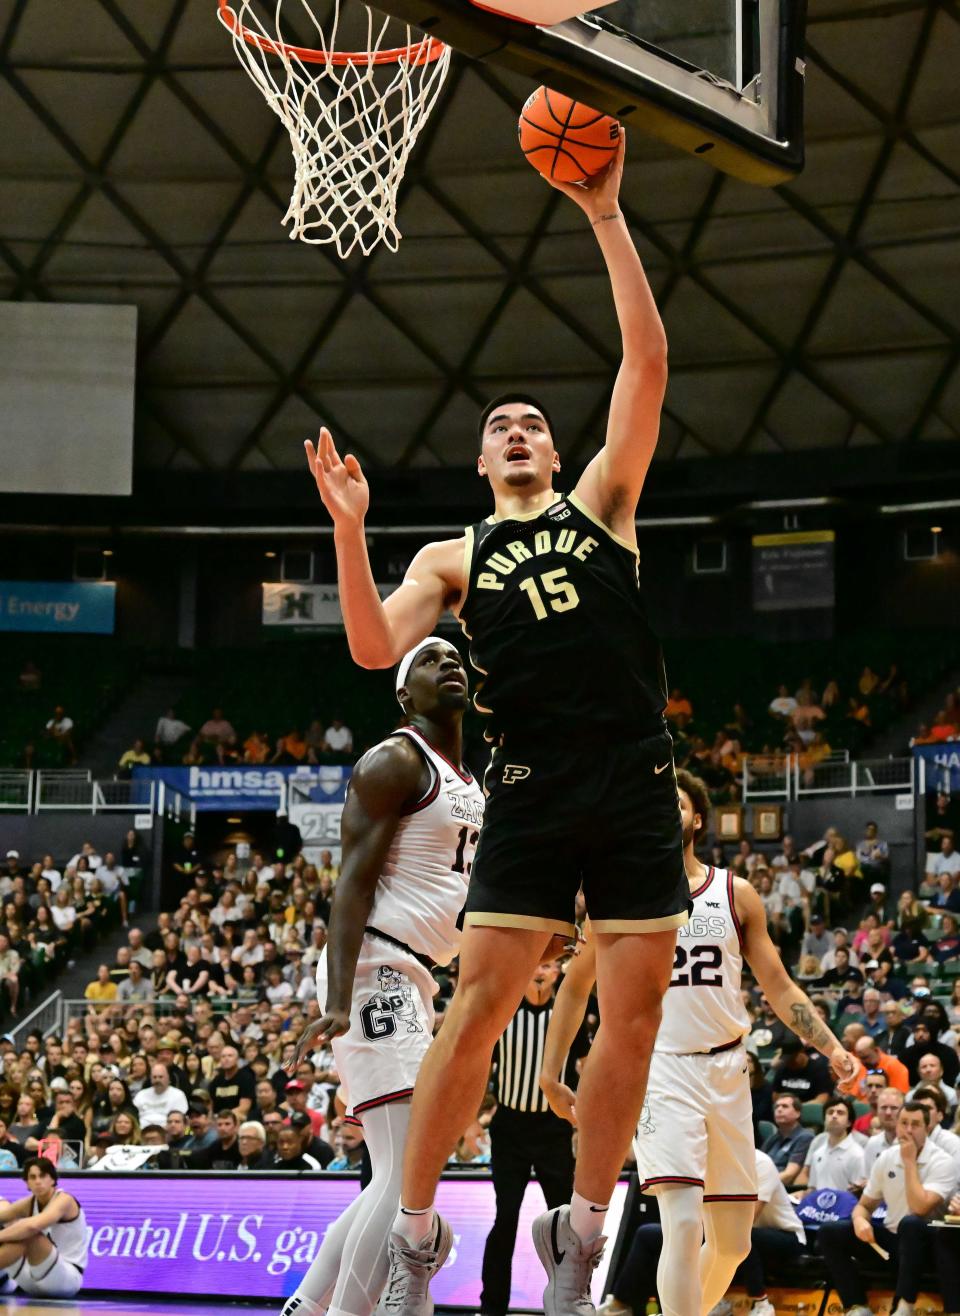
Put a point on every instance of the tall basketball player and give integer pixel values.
(580, 786)
(694, 1143)
(409, 830)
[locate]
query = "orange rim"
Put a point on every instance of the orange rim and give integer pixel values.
(425, 52)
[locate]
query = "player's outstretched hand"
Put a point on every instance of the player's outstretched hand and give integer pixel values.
(341, 484)
(600, 194)
(844, 1065)
(563, 1100)
(330, 1025)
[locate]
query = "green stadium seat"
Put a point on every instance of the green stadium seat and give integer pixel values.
(812, 1114)
(928, 968)
(767, 1129)
(861, 1108)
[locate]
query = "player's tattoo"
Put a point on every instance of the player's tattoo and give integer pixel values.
(808, 1026)
(601, 219)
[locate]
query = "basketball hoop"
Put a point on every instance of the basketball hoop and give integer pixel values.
(353, 116)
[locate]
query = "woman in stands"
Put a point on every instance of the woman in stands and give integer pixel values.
(82, 1097)
(138, 1075)
(124, 1130)
(26, 1127)
(46, 936)
(9, 1096)
(37, 1088)
(107, 1105)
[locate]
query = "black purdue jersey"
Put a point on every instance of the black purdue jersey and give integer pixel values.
(557, 628)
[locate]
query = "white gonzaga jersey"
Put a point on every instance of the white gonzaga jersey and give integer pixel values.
(702, 1009)
(69, 1237)
(423, 885)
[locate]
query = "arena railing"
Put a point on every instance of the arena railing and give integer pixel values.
(767, 777)
(16, 792)
(44, 1017)
(50, 790)
(82, 793)
(771, 777)
(860, 777)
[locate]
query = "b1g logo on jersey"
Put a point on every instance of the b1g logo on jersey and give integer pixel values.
(514, 772)
(391, 1005)
(559, 511)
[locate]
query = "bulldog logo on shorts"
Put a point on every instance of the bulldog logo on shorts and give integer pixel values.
(392, 1004)
(646, 1124)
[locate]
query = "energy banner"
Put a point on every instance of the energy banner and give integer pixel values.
(65, 607)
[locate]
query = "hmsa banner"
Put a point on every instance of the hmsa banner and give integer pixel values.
(289, 604)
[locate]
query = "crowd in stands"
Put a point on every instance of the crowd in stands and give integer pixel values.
(182, 1048)
(714, 727)
(807, 722)
(50, 911)
(216, 741)
(945, 725)
(214, 993)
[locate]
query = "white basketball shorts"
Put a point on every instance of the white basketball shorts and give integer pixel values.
(52, 1278)
(697, 1126)
(391, 1025)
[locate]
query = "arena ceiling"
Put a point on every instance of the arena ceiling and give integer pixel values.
(139, 164)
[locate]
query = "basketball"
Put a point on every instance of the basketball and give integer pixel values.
(564, 139)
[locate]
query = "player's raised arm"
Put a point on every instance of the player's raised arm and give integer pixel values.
(379, 633)
(611, 484)
(565, 1020)
(791, 1004)
(382, 784)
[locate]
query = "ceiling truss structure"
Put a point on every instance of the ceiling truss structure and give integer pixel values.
(139, 165)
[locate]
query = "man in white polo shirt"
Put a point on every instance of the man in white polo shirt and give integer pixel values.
(156, 1102)
(942, 1139)
(915, 1180)
(889, 1105)
(835, 1158)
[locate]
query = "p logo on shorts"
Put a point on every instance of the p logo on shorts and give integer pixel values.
(513, 772)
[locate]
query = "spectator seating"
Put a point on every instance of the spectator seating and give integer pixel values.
(86, 674)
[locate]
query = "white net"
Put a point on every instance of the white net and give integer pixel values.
(353, 101)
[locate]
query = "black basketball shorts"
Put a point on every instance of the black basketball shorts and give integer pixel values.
(601, 815)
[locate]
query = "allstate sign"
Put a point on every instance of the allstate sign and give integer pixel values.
(245, 787)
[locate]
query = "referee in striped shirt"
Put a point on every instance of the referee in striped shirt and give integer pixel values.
(525, 1135)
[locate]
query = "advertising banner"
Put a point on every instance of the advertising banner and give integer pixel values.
(68, 607)
(319, 828)
(306, 606)
(253, 1236)
(793, 571)
(941, 764)
(245, 787)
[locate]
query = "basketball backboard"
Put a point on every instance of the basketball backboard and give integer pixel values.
(722, 79)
